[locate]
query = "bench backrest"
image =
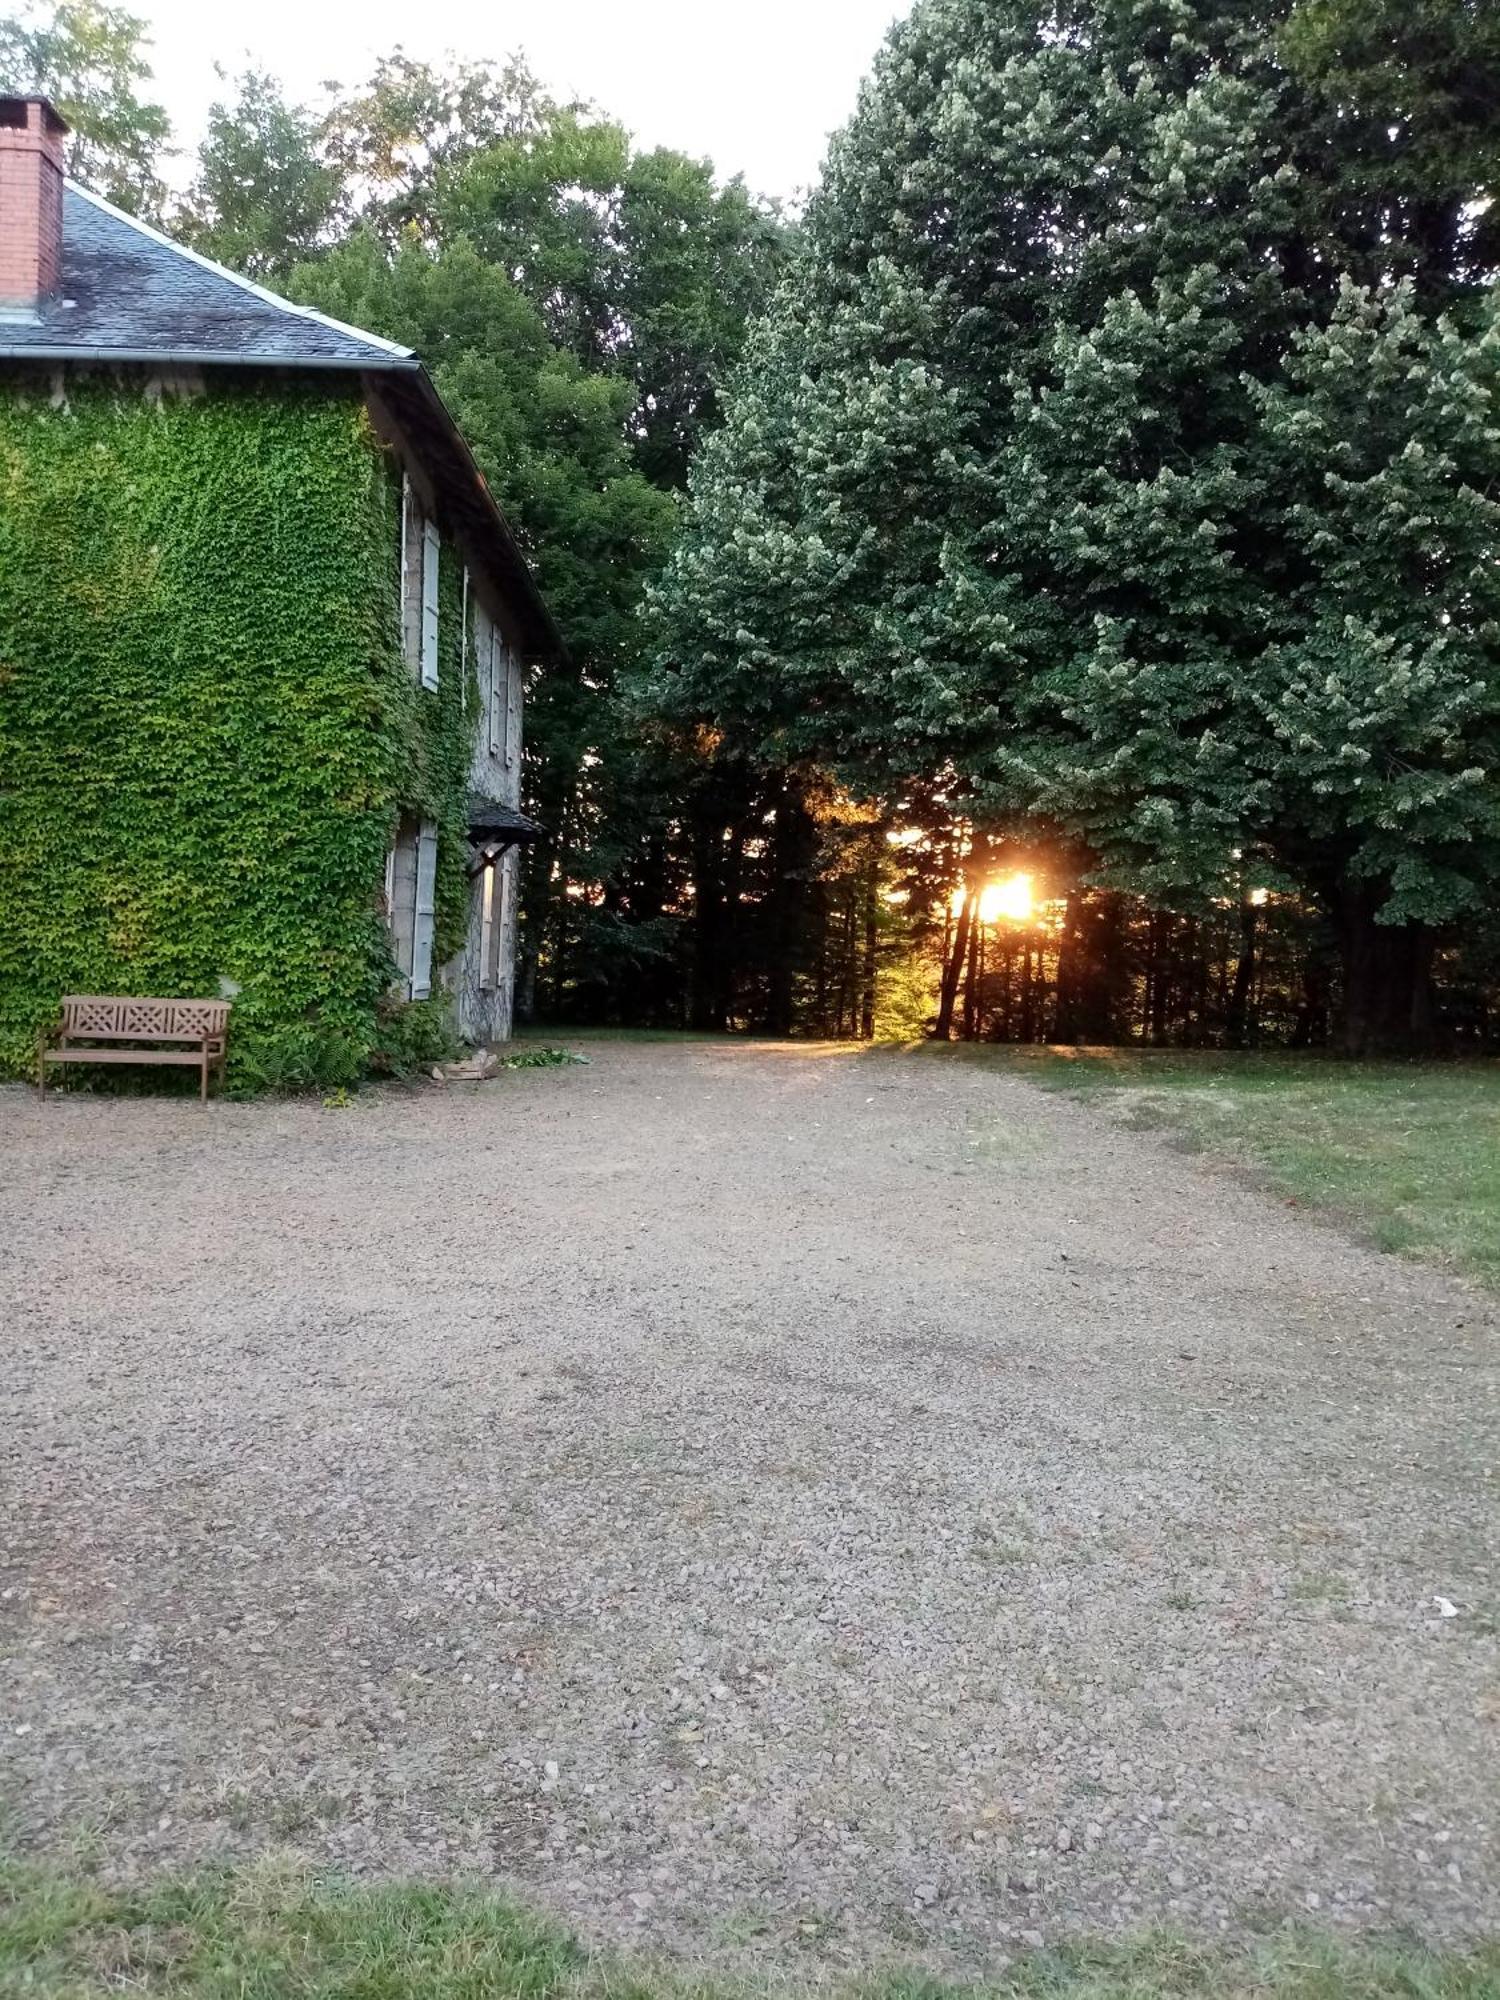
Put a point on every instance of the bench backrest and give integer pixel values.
(116, 1017)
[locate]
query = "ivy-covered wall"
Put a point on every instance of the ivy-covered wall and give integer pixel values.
(207, 729)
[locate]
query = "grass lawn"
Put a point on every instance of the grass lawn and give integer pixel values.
(1409, 1153)
(273, 1932)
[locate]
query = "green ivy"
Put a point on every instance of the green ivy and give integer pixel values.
(207, 730)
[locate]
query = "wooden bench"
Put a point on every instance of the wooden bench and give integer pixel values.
(94, 1026)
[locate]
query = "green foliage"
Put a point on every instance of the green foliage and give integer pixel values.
(904, 999)
(641, 266)
(411, 1038)
(1412, 85)
(1409, 1152)
(393, 136)
(1099, 465)
(207, 728)
(277, 1929)
(90, 59)
(263, 197)
(543, 1059)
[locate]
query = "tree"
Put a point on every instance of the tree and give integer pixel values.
(642, 265)
(263, 198)
(1377, 717)
(393, 138)
(1037, 489)
(90, 59)
(1414, 86)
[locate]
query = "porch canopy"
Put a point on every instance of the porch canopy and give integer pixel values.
(493, 828)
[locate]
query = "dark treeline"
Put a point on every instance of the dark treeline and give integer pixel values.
(817, 927)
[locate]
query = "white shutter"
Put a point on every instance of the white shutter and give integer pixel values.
(512, 715)
(495, 698)
(429, 605)
(422, 914)
(505, 916)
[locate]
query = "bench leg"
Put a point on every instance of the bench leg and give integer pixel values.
(203, 1078)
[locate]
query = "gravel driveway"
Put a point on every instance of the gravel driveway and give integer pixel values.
(744, 1497)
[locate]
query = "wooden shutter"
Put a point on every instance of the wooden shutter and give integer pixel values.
(512, 714)
(505, 912)
(495, 700)
(429, 605)
(422, 914)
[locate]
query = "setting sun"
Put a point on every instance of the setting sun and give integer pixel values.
(1010, 899)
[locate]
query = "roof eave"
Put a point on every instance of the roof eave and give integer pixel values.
(346, 364)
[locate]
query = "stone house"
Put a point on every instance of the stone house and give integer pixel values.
(264, 643)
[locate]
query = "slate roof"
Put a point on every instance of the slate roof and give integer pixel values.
(128, 293)
(491, 821)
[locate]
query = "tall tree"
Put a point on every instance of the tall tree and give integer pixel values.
(263, 198)
(1010, 497)
(643, 266)
(90, 59)
(393, 137)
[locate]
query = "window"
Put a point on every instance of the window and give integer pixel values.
(512, 716)
(419, 588)
(492, 667)
(411, 577)
(411, 898)
(488, 941)
(423, 909)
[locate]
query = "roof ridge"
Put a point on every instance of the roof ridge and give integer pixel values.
(388, 347)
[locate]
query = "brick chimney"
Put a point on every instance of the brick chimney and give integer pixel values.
(31, 191)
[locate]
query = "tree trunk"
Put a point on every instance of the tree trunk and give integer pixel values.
(793, 846)
(1065, 1002)
(1238, 1030)
(953, 969)
(1387, 978)
(971, 981)
(872, 937)
(707, 1010)
(1159, 979)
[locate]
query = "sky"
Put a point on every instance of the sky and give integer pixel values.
(754, 85)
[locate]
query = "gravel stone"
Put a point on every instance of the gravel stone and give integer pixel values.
(753, 1471)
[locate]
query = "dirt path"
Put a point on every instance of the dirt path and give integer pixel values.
(743, 1496)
